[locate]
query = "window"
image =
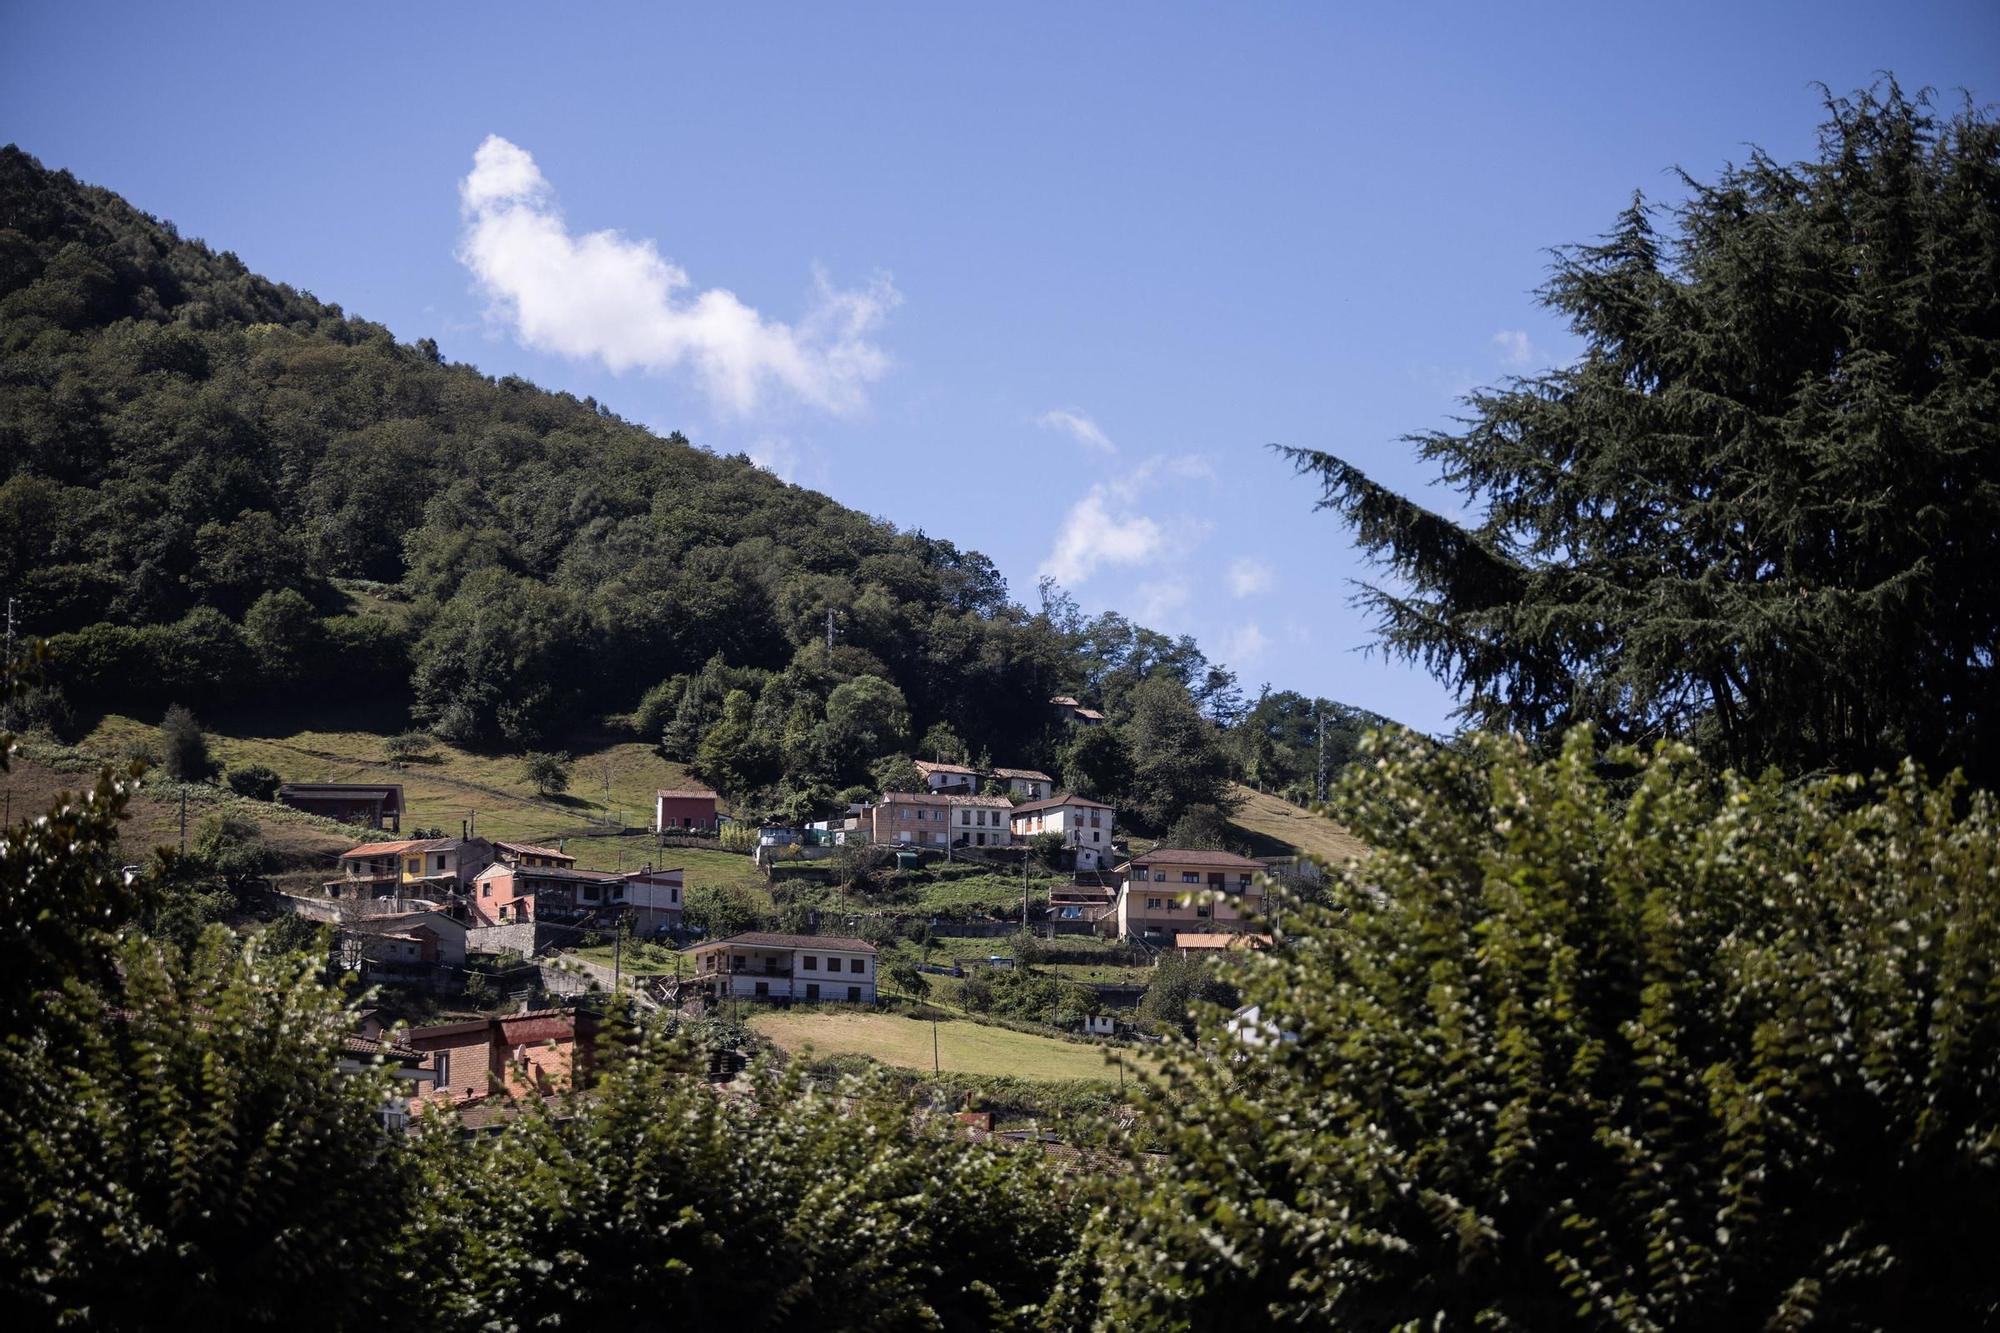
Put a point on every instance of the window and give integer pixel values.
(811, 962)
(486, 890)
(1097, 837)
(812, 990)
(1243, 881)
(673, 895)
(1159, 877)
(854, 994)
(764, 988)
(857, 964)
(1152, 904)
(1190, 877)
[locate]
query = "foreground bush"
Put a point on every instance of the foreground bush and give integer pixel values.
(1636, 1051)
(659, 1203)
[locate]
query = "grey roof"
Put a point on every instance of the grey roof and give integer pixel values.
(1032, 807)
(759, 940)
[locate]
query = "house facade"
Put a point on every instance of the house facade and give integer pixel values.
(533, 1053)
(1026, 784)
(433, 867)
(950, 778)
(684, 809)
(1085, 825)
(505, 893)
(809, 968)
(928, 819)
(1167, 892)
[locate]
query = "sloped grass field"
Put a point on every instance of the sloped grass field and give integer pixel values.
(611, 787)
(962, 1047)
(1294, 827)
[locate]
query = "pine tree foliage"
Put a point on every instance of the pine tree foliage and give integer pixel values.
(1692, 1053)
(1761, 510)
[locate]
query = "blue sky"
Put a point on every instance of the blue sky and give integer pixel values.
(1041, 280)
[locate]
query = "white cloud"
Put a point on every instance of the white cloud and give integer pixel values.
(1105, 527)
(1092, 534)
(1514, 347)
(1244, 645)
(1079, 427)
(607, 297)
(1248, 577)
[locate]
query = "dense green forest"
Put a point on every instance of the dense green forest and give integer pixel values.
(217, 488)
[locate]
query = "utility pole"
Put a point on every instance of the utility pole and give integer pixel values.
(1319, 719)
(7, 675)
(184, 820)
(935, 1068)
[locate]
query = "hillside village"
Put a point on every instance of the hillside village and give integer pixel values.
(421, 915)
(469, 860)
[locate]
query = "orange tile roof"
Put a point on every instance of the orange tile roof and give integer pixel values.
(380, 848)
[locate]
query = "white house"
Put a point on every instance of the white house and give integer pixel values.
(1085, 825)
(757, 966)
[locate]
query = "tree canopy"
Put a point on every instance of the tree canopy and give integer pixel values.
(1760, 510)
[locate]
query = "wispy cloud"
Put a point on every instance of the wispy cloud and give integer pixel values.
(1078, 427)
(1160, 599)
(1244, 646)
(1248, 576)
(615, 299)
(1516, 349)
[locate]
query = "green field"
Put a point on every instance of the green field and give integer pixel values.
(962, 1047)
(611, 787)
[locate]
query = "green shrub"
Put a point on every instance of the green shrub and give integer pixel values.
(1600, 1041)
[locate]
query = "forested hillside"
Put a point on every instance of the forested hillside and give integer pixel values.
(218, 489)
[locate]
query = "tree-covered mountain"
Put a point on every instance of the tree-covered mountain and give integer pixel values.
(216, 487)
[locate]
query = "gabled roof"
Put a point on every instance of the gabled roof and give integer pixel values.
(1222, 940)
(1031, 774)
(759, 940)
(1090, 713)
(1062, 701)
(926, 767)
(686, 793)
(943, 798)
(381, 848)
(1035, 807)
(1215, 860)
(529, 849)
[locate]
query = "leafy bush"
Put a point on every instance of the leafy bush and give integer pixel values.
(409, 747)
(547, 771)
(1600, 1041)
(255, 781)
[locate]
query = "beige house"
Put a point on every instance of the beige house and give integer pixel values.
(787, 967)
(928, 819)
(949, 777)
(432, 867)
(1167, 893)
(1026, 784)
(1085, 826)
